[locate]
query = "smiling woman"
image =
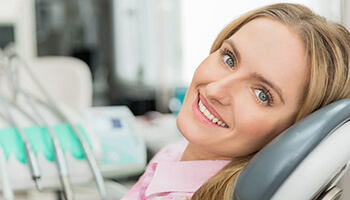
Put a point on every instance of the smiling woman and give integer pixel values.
(267, 70)
(247, 94)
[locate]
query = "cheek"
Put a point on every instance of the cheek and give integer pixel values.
(203, 75)
(209, 70)
(198, 78)
(255, 126)
(256, 129)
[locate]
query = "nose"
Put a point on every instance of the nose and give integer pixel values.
(221, 90)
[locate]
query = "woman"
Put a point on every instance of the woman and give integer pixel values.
(266, 70)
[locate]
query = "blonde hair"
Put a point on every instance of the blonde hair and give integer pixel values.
(328, 49)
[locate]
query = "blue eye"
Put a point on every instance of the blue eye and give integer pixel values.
(261, 95)
(229, 61)
(264, 96)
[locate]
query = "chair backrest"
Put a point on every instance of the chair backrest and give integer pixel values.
(66, 79)
(306, 160)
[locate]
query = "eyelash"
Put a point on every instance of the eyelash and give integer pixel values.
(225, 52)
(266, 91)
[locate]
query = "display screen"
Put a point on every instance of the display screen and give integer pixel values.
(7, 35)
(108, 124)
(116, 123)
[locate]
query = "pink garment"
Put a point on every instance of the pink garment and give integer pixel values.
(166, 177)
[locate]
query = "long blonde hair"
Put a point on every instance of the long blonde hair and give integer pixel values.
(328, 48)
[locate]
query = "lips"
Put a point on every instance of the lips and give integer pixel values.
(209, 112)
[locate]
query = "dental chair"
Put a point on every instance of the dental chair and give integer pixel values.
(307, 161)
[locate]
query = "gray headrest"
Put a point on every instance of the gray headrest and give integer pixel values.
(265, 173)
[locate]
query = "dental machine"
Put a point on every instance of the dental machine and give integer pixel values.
(46, 145)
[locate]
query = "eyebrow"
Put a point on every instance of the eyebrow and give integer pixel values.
(269, 83)
(234, 49)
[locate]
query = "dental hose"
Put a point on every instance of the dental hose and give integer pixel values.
(59, 155)
(30, 155)
(87, 151)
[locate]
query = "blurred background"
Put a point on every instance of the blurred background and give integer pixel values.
(142, 53)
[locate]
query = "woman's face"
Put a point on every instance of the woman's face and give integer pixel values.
(245, 93)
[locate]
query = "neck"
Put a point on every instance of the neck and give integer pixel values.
(193, 152)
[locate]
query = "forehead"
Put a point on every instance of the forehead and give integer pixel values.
(274, 50)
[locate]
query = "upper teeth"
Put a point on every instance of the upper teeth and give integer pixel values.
(210, 116)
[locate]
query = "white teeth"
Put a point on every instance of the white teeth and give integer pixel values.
(210, 116)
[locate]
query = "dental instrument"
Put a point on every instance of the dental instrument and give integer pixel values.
(31, 158)
(59, 155)
(51, 104)
(86, 149)
(5, 181)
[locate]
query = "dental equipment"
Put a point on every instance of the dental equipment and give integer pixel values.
(87, 151)
(31, 159)
(59, 155)
(5, 182)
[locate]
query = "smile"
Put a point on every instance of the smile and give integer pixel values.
(210, 116)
